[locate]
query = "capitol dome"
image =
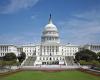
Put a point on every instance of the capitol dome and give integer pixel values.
(50, 27)
(50, 32)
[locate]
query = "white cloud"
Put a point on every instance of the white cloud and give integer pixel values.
(33, 17)
(82, 28)
(16, 5)
(23, 38)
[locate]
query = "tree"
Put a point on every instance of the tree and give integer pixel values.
(86, 55)
(22, 57)
(98, 55)
(9, 57)
(9, 60)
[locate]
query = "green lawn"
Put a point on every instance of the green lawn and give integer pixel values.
(38, 75)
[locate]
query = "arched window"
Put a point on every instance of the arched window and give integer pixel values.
(43, 58)
(40, 58)
(50, 58)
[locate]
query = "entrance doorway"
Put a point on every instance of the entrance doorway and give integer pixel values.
(50, 63)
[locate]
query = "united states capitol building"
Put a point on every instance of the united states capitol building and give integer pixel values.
(50, 51)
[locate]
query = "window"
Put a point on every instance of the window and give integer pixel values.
(60, 58)
(50, 58)
(40, 58)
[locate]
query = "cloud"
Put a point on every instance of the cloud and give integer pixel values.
(82, 28)
(16, 5)
(22, 38)
(33, 17)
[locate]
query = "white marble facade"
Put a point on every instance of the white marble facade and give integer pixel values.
(50, 50)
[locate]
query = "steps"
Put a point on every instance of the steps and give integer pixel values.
(30, 61)
(69, 60)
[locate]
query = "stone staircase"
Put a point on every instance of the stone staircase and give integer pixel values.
(30, 61)
(69, 60)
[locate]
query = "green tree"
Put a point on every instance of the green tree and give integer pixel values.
(98, 55)
(86, 55)
(9, 60)
(21, 57)
(9, 57)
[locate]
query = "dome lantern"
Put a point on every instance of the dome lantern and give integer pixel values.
(50, 19)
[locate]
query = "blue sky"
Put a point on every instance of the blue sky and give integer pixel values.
(22, 21)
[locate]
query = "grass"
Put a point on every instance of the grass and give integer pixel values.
(38, 75)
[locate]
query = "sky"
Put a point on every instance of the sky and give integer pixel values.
(22, 21)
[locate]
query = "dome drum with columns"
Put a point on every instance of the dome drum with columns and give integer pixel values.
(50, 33)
